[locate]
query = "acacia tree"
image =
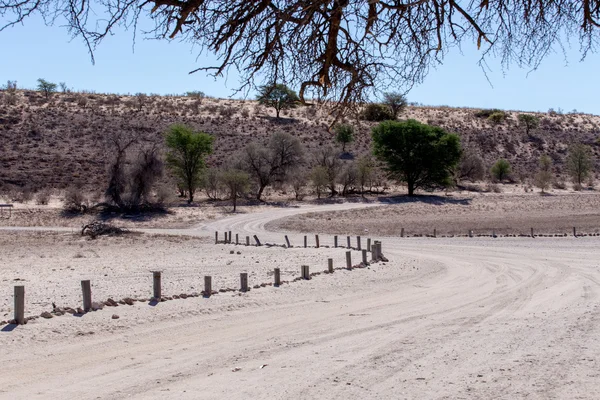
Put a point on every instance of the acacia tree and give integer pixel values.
(529, 122)
(237, 183)
(579, 162)
(420, 155)
(344, 134)
(543, 178)
(46, 87)
(277, 96)
(390, 44)
(395, 101)
(186, 155)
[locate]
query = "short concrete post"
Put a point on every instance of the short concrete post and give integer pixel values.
(305, 242)
(358, 244)
(229, 237)
(277, 277)
(287, 241)
(348, 244)
(364, 257)
(317, 240)
(207, 286)
(304, 272)
(574, 232)
(257, 241)
(330, 265)
(349, 259)
(244, 281)
(156, 285)
(335, 243)
(237, 238)
(19, 305)
(374, 257)
(247, 240)
(369, 244)
(86, 288)
(217, 237)
(402, 232)
(434, 232)
(532, 235)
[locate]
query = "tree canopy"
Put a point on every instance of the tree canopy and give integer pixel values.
(186, 155)
(420, 155)
(277, 96)
(347, 50)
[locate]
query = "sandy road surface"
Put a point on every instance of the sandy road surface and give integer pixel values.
(445, 318)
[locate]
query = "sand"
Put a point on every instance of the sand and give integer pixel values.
(443, 319)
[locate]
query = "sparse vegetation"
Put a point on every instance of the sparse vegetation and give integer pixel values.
(376, 113)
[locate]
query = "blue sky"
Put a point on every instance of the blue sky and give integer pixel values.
(36, 51)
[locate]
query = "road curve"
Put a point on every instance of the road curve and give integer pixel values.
(444, 319)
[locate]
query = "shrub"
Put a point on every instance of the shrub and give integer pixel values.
(497, 117)
(501, 170)
(579, 162)
(237, 183)
(529, 122)
(486, 113)
(396, 102)
(470, 167)
(74, 201)
(377, 113)
(43, 197)
(46, 87)
(543, 178)
(320, 179)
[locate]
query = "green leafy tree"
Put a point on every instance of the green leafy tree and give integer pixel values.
(396, 102)
(420, 155)
(46, 87)
(277, 96)
(501, 170)
(579, 162)
(377, 112)
(344, 134)
(237, 183)
(543, 178)
(529, 122)
(185, 157)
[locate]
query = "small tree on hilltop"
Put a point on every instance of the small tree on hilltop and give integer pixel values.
(543, 178)
(529, 122)
(277, 96)
(344, 134)
(46, 87)
(186, 155)
(579, 163)
(501, 170)
(396, 102)
(420, 155)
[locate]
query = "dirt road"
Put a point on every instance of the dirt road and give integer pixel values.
(444, 319)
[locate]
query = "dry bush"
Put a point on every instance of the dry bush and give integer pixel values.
(74, 201)
(21, 195)
(43, 196)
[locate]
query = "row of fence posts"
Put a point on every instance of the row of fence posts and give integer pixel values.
(227, 239)
(469, 233)
(86, 287)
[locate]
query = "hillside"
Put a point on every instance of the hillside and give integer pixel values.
(63, 141)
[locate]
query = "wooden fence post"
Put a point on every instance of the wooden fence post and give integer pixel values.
(244, 281)
(364, 257)
(305, 242)
(470, 233)
(493, 233)
(247, 240)
(369, 244)
(277, 277)
(207, 286)
(434, 232)
(374, 257)
(402, 232)
(217, 237)
(349, 245)
(358, 244)
(237, 238)
(330, 265)
(229, 237)
(379, 252)
(19, 305)
(86, 288)
(335, 243)
(574, 232)
(304, 272)
(257, 241)
(156, 285)
(532, 235)
(349, 260)
(317, 240)
(287, 241)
